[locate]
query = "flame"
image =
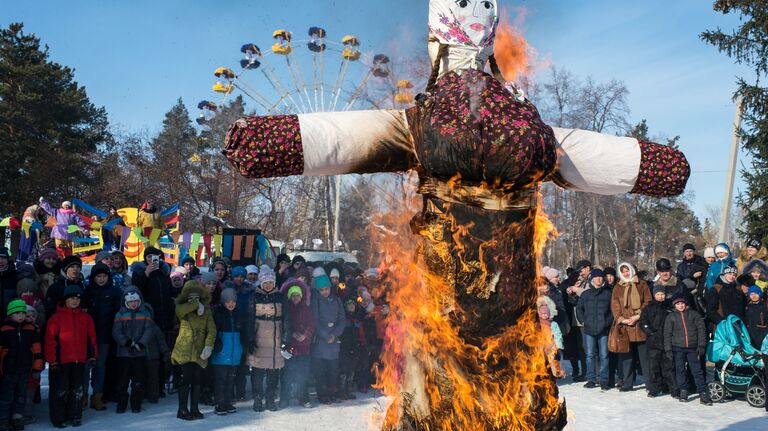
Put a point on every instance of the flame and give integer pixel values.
(439, 374)
(512, 52)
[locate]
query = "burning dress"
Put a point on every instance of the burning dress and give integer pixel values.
(469, 356)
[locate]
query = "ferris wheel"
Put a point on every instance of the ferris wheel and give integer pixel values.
(309, 75)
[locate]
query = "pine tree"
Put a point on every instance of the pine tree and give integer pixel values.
(748, 45)
(49, 130)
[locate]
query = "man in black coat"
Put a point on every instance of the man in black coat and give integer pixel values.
(661, 370)
(691, 264)
(153, 278)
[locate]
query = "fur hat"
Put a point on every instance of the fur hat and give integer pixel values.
(228, 294)
(688, 246)
(745, 280)
(152, 251)
(663, 265)
(709, 252)
(609, 270)
(47, 253)
(209, 277)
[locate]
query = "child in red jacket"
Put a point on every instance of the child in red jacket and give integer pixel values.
(70, 341)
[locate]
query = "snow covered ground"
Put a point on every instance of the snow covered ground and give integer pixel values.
(588, 410)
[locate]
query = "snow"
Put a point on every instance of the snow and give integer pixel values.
(588, 410)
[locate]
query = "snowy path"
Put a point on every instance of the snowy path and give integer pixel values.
(589, 410)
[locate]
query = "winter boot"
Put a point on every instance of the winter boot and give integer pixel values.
(220, 410)
(257, 404)
(704, 398)
(5, 425)
(271, 404)
(17, 422)
(183, 412)
(683, 396)
(194, 409)
(97, 403)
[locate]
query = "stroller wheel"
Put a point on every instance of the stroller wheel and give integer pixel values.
(716, 392)
(755, 395)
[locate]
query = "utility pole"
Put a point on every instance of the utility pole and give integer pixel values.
(725, 216)
(336, 213)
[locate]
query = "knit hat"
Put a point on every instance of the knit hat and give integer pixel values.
(293, 290)
(152, 251)
(239, 271)
(756, 243)
(730, 269)
(251, 269)
(709, 252)
(334, 273)
(66, 204)
(104, 254)
(610, 271)
(282, 257)
(228, 294)
(209, 277)
(688, 246)
(266, 275)
(47, 253)
(550, 273)
(583, 264)
(754, 289)
(69, 261)
(597, 272)
(99, 268)
(131, 295)
(16, 306)
(33, 310)
(663, 265)
(72, 290)
(26, 285)
(24, 270)
(189, 259)
(177, 274)
(181, 270)
(298, 258)
(320, 279)
(658, 288)
(678, 297)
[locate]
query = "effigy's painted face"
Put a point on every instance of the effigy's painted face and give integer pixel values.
(463, 22)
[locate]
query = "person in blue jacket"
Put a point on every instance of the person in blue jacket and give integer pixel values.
(228, 350)
(723, 260)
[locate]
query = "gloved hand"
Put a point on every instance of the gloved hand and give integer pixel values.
(200, 309)
(207, 350)
(668, 354)
(41, 199)
(701, 351)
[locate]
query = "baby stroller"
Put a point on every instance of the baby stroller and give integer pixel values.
(739, 369)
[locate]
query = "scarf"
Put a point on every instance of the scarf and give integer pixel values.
(631, 299)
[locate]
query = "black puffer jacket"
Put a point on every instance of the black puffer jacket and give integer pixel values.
(7, 287)
(156, 291)
(724, 299)
(686, 268)
(594, 309)
(20, 349)
(756, 319)
(55, 293)
(684, 330)
(102, 303)
(652, 323)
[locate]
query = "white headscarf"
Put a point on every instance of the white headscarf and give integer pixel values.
(467, 27)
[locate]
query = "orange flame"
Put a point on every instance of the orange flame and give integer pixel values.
(438, 378)
(514, 55)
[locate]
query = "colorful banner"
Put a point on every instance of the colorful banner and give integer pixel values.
(187, 238)
(195, 244)
(140, 235)
(249, 240)
(226, 246)
(237, 245)
(125, 235)
(154, 236)
(217, 243)
(207, 243)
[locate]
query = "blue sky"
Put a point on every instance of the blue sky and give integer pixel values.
(137, 58)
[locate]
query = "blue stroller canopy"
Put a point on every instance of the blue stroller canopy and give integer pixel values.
(731, 343)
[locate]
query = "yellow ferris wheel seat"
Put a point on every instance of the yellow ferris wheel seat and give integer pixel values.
(282, 49)
(221, 88)
(350, 54)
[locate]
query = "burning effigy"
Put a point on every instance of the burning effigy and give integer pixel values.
(465, 351)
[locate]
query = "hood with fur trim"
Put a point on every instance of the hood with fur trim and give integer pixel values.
(305, 290)
(546, 300)
(194, 286)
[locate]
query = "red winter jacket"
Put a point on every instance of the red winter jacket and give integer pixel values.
(300, 321)
(70, 337)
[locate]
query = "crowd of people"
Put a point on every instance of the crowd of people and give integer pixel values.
(613, 324)
(132, 335)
